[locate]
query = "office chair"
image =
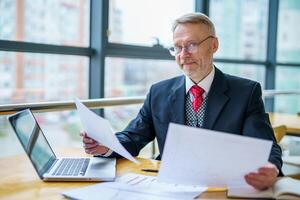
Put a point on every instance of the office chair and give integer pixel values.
(279, 132)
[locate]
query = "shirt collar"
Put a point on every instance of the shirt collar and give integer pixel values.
(204, 83)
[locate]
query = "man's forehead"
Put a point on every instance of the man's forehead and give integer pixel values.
(190, 29)
(185, 32)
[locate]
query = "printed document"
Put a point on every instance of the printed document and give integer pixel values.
(100, 130)
(196, 156)
(283, 188)
(135, 186)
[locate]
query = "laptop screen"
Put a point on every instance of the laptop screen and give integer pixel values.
(33, 140)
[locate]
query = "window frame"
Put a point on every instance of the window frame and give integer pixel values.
(100, 48)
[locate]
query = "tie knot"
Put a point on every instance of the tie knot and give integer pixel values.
(197, 91)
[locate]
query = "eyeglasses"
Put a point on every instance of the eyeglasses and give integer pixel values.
(191, 48)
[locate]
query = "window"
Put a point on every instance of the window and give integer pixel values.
(42, 77)
(37, 77)
(288, 51)
(133, 77)
(141, 23)
(238, 23)
(8, 141)
(64, 125)
(287, 78)
(253, 72)
(288, 43)
(61, 22)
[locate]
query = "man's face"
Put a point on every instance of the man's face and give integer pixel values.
(195, 64)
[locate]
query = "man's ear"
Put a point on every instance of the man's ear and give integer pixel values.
(215, 44)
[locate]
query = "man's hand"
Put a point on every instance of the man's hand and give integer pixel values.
(263, 178)
(91, 146)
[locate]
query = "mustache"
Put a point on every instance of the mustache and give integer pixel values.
(187, 61)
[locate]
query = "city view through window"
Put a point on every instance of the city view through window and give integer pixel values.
(35, 77)
(241, 27)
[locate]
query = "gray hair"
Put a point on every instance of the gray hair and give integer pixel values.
(195, 18)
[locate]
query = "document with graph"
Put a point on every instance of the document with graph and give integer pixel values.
(209, 158)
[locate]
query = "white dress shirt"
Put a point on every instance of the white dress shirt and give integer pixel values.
(204, 84)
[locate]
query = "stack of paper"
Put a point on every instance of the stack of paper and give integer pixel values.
(135, 186)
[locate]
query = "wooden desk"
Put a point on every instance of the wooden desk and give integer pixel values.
(20, 181)
(292, 122)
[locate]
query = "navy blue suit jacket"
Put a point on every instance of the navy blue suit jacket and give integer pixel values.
(234, 105)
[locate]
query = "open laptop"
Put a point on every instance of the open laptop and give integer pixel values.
(47, 165)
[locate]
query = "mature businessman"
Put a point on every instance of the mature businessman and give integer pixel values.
(202, 97)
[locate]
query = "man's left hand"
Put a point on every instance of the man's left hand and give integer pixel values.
(263, 178)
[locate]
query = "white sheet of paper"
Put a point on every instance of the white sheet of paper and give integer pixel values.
(104, 192)
(149, 184)
(135, 186)
(100, 130)
(203, 157)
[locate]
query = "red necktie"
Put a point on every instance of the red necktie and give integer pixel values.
(197, 92)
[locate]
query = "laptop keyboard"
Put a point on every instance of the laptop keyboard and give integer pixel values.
(72, 167)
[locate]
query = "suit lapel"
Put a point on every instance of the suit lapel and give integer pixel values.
(177, 101)
(217, 99)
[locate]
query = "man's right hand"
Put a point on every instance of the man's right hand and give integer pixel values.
(91, 146)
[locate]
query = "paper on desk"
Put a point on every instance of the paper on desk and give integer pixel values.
(136, 186)
(100, 130)
(210, 158)
(292, 160)
(149, 184)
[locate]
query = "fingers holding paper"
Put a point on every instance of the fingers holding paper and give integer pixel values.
(91, 146)
(262, 179)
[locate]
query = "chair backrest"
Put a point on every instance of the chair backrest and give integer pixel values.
(279, 132)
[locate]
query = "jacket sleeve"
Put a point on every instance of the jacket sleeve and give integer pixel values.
(257, 124)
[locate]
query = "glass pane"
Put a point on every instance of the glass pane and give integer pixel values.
(253, 72)
(28, 77)
(288, 43)
(61, 22)
(133, 77)
(287, 78)
(63, 125)
(145, 22)
(119, 117)
(241, 27)
(8, 140)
